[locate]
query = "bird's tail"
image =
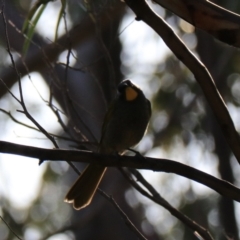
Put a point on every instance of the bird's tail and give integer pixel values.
(83, 190)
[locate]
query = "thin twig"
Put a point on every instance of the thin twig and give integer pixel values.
(25, 111)
(156, 197)
(116, 206)
(123, 214)
(50, 52)
(96, 20)
(9, 91)
(36, 129)
(72, 68)
(10, 228)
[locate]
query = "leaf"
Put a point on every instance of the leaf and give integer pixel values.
(31, 28)
(62, 10)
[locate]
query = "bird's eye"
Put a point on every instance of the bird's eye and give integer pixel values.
(122, 85)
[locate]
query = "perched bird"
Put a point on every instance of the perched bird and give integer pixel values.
(124, 126)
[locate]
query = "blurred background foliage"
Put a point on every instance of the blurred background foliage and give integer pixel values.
(182, 127)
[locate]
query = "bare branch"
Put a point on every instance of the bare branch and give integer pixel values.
(10, 228)
(145, 13)
(155, 196)
(215, 20)
(25, 111)
(39, 59)
(110, 199)
(128, 222)
(21, 101)
(162, 165)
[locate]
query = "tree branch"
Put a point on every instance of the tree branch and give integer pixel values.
(155, 197)
(41, 57)
(124, 216)
(160, 165)
(211, 18)
(214, 99)
(10, 229)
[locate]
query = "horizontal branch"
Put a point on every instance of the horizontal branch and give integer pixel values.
(158, 165)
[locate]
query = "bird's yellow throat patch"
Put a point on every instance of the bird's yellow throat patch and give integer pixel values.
(131, 94)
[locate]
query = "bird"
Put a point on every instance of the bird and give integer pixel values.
(124, 125)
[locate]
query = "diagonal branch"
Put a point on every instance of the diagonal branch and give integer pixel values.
(157, 198)
(124, 216)
(214, 99)
(10, 229)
